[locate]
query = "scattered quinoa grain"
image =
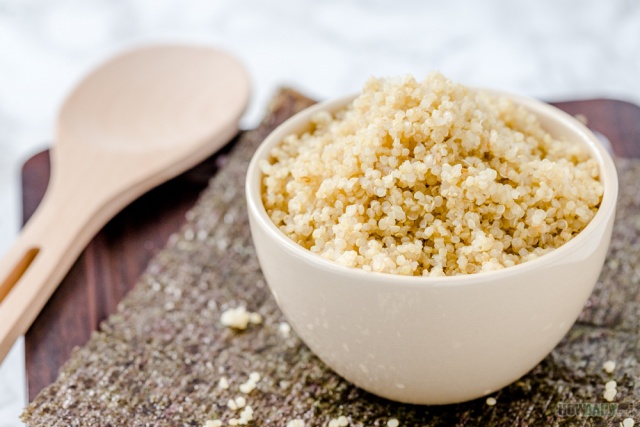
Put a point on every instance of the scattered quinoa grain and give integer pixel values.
(223, 383)
(255, 318)
(213, 423)
(393, 423)
(239, 318)
(627, 422)
(251, 383)
(610, 394)
(246, 415)
(609, 366)
(296, 423)
(491, 401)
(241, 402)
(610, 390)
(341, 421)
(284, 329)
(429, 178)
(247, 387)
(237, 403)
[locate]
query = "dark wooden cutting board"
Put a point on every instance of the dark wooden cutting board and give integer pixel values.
(112, 262)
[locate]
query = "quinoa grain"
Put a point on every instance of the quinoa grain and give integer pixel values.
(610, 391)
(223, 383)
(609, 366)
(627, 422)
(429, 179)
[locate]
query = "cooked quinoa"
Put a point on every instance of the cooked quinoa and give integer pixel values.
(429, 178)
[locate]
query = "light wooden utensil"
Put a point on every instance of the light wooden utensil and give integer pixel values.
(138, 120)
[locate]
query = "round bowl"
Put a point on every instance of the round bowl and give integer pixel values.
(433, 340)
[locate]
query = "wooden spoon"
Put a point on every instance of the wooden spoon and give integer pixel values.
(138, 120)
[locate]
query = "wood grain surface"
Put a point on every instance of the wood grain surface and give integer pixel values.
(115, 258)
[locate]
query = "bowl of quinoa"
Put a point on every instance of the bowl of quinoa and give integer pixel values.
(446, 221)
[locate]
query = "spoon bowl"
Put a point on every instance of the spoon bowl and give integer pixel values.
(119, 107)
(138, 120)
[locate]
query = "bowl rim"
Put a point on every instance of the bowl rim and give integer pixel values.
(608, 177)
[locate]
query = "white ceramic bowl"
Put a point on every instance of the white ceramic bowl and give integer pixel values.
(433, 340)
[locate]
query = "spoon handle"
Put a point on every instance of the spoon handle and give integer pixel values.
(41, 256)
